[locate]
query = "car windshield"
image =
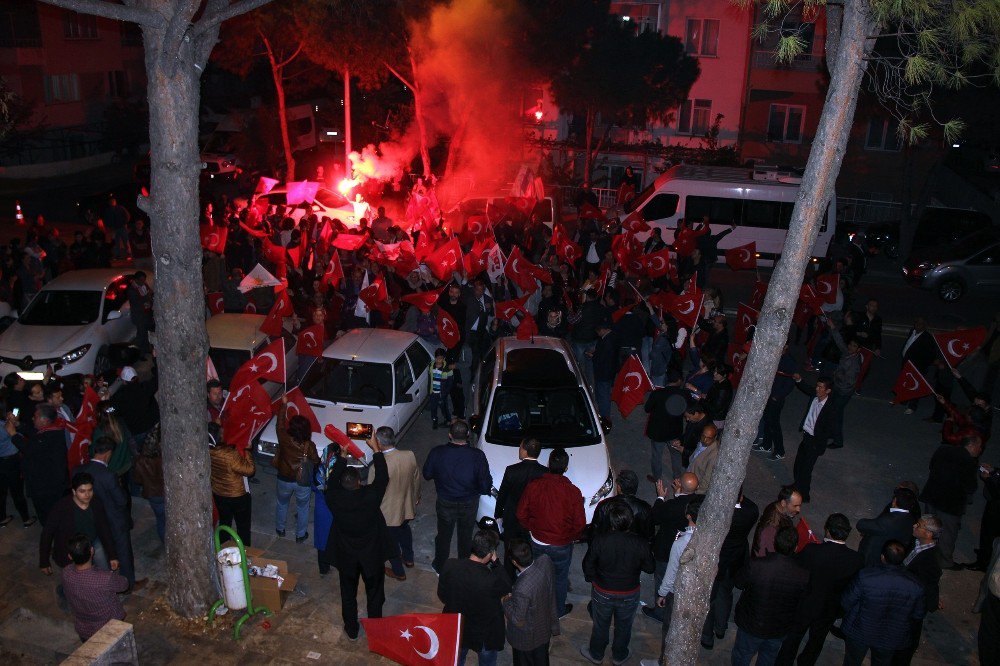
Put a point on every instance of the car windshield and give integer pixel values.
(355, 382)
(62, 308)
(330, 199)
(966, 247)
(227, 362)
(559, 416)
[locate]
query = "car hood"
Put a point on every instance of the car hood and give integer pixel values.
(588, 466)
(338, 415)
(43, 341)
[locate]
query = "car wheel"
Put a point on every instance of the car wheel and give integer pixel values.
(951, 290)
(102, 363)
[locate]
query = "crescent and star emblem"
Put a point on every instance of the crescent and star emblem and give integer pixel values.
(689, 309)
(310, 336)
(213, 239)
(744, 255)
(289, 407)
(638, 382)
(906, 385)
(951, 348)
(274, 361)
(432, 651)
(823, 287)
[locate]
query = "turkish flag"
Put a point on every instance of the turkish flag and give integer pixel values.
(215, 302)
(272, 324)
(447, 329)
(213, 238)
(310, 341)
(568, 251)
(602, 282)
(268, 364)
(956, 346)
(445, 260)
(527, 329)
(247, 410)
(251, 308)
(621, 312)
(746, 317)
(477, 227)
(827, 286)
(283, 304)
(657, 264)
(86, 419)
(520, 205)
(506, 310)
(295, 255)
(376, 297)
(298, 406)
(686, 307)
(349, 242)
(635, 223)
(759, 291)
(424, 246)
(631, 386)
(866, 360)
(736, 358)
(910, 384)
(273, 253)
(338, 437)
(416, 639)
(625, 248)
(520, 271)
(424, 300)
(79, 451)
(334, 272)
(742, 257)
(590, 212)
(806, 535)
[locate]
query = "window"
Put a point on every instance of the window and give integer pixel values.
(718, 210)
(62, 308)
(419, 358)
(560, 417)
(355, 382)
(62, 88)
(883, 134)
(117, 84)
(79, 26)
(702, 37)
(695, 116)
(403, 375)
(986, 257)
(785, 123)
(661, 207)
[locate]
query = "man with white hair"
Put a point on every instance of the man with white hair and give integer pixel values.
(923, 563)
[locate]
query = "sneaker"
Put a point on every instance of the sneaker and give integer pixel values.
(566, 611)
(776, 456)
(585, 653)
(619, 662)
(389, 573)
(6, 521)
(280, 533)
(650, 612)
(353, 638)
(300, 539)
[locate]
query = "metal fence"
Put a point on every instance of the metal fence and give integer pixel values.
(567, 195)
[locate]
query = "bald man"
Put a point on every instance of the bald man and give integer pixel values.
(668, 518)
(704, 457)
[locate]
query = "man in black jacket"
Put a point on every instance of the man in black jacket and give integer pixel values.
(613, 564)
(771, 440)
(774, 588)
(626, 486)
(695, 420)
(359, 537)
(953, 475)
(515, 479)
(923, 563)
(831, 567)
(666, 407)
(817, 431)
(43, 463)
(667, 518)
(896, 524)
(921, 350)
(584, 332)
(474, 587)
(605, 361)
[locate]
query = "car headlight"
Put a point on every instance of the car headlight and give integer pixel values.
(75, 355)
(266, 447)
(604, 490)
(359, 430)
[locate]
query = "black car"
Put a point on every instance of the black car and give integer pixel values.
(937, 227)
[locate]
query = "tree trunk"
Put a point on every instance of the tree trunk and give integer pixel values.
(700, 560)
(457, 139)
(181, 340)
(277, 73)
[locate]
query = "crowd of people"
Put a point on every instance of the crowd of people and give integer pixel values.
(589, 281)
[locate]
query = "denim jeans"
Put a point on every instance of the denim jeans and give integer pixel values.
(439, 402)
(561, 557)
(302, 494)
(402, 539)
(622, 608)
(602, 394)
(449, 516)
(747, 645)
(160, 512)
(656, 452)
(486, 657)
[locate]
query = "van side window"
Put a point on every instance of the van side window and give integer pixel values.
(403, 375)
(661, 207)
(718, 210)
(764, 215)
(419, 358)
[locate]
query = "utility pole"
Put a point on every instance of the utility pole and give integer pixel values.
(347, 123)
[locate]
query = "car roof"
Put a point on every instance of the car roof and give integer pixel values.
(89, 278)
(378, 345)
(541, 362)
(235, 330)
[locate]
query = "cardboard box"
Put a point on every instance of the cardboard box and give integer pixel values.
(266, 591)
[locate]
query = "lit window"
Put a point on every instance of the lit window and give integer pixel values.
(702, 37)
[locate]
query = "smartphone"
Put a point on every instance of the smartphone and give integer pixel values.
(15, 411)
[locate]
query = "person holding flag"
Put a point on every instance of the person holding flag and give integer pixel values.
(230, 473)
(294, 460)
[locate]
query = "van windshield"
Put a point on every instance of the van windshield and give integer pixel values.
(355, 382)
(554, 416)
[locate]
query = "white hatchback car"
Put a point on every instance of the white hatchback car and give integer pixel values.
(366, 379)
(233, 338)
(327, 203)
(533, 388)
(71, 324)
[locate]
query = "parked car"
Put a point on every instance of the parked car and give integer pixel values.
(971, 263)
(72, 324)
(366, 379)
(546, 210)
(233, 338)
(327, 202)
(533, 388)
(937, 226)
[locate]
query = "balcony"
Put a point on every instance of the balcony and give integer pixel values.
(806, 62)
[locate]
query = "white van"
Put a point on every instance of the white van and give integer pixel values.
(533, 388)
(759, 202)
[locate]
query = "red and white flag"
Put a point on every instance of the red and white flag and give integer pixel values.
(507, 310)
(215, 302)
(746, 317)
(310, 340)
(298, 406)
(742, 257)
(334, 272)
(348, 242)
(416, 639)
(447, 329)
(340, 438)
(631, 386)
(272, 324)
(527, 329)
(958, 345)
(268, 364)
(520, 272)
(445, 260)
(827, 286)
(424, 300)
(495, 262)
(376, 297)
(657, 264)
(866, 361)
(686, 307)
(910, 384)
(757, 297)
(213, 238)
(247, 410)
(588, 211)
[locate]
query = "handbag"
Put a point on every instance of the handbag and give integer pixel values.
(304, 477)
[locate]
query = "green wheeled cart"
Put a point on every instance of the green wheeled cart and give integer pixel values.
(251, 610)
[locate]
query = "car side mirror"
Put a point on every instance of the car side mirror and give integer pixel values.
(405, 397)
(114, 314)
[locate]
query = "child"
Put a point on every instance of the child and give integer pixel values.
(441, 377)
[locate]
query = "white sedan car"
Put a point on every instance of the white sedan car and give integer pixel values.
(327, 203)
(365, 379)
(71, 324)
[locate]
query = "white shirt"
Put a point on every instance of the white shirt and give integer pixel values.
(813, 415)
(674, 563)
(592, 256)
(910, 340)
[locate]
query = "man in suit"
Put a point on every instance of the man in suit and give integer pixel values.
(667, 518)
(604, 358)
(921, 350)
(399, 506)
(923, 563)
(896, 524)
(817, 431)
(666, 407)
(515, 479)
(112, 496)
(478, 314)
(359, 536)
(831, 567)
(953, 476)
(530, 608)
(705, 455)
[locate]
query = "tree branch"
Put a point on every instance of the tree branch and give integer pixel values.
(399, 76)
(291, 57)
(111, 11)
(209, 21)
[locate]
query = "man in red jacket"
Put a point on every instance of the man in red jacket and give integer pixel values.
(551, 509)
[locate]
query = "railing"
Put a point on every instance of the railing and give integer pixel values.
(802, 63)
(863, 212)
(605, 196)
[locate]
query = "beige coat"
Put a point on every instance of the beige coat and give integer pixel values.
(403, 493)
(703, 466)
